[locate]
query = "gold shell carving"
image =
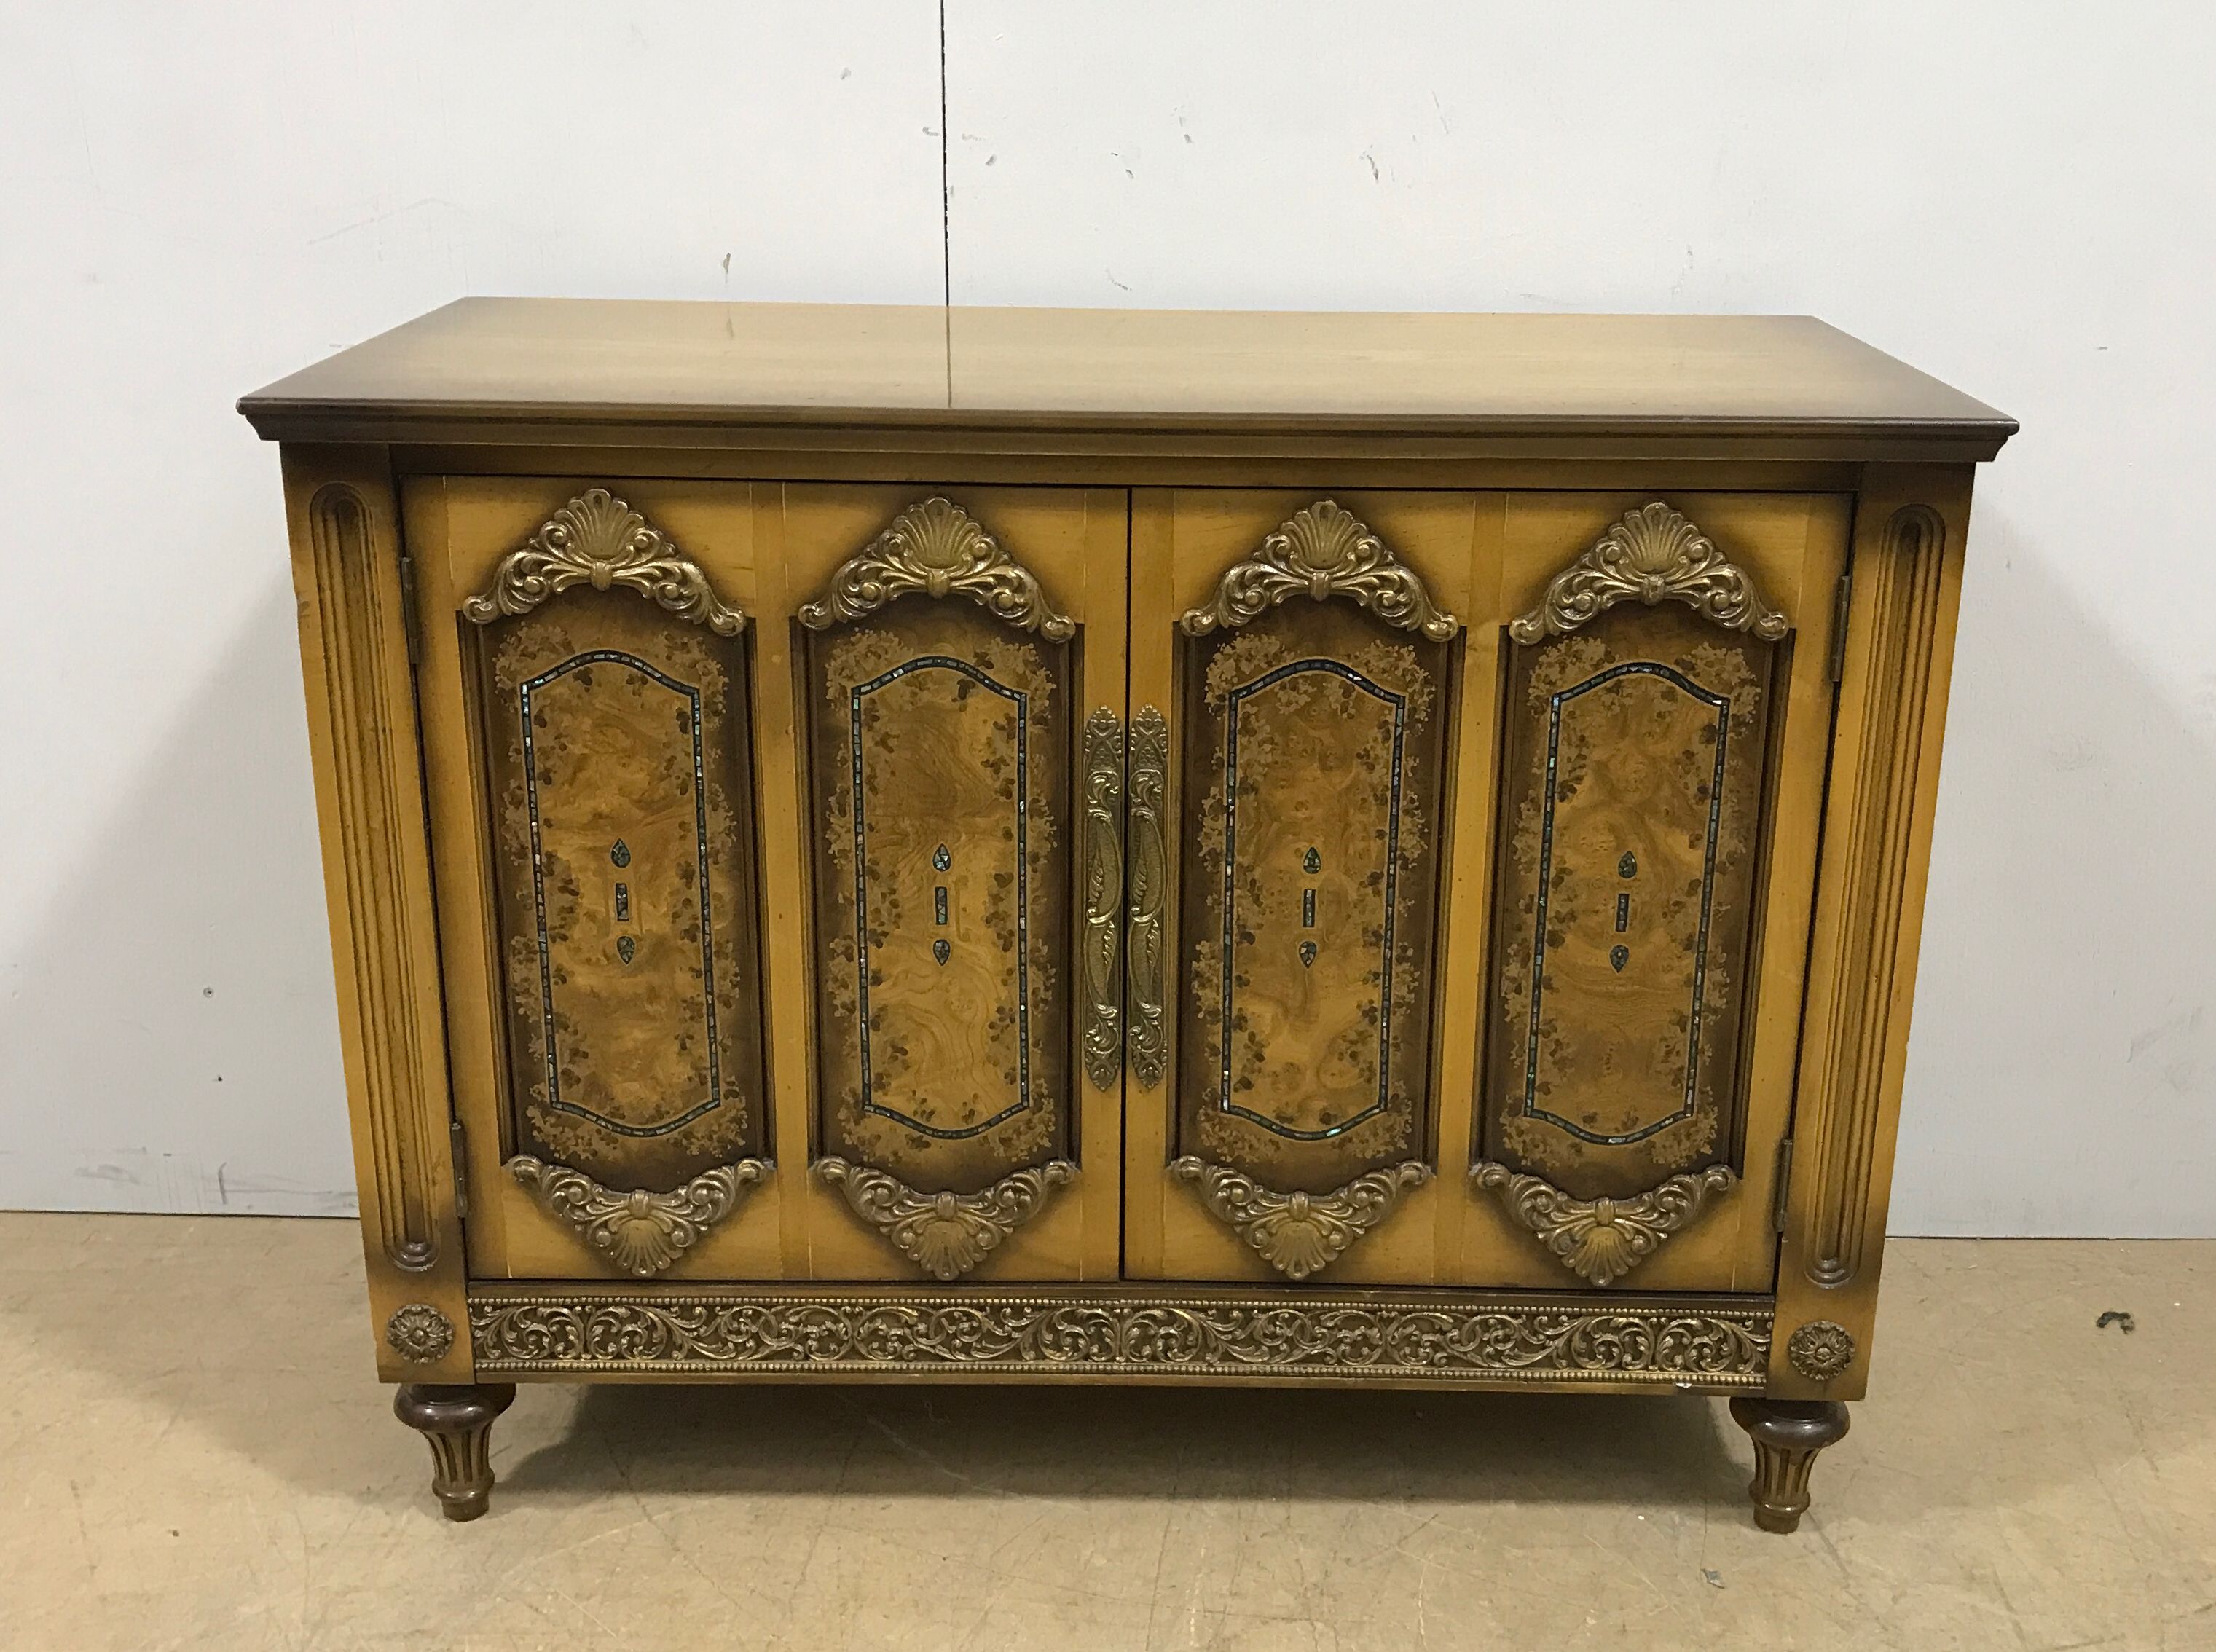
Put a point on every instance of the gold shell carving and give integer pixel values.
(640, 1231)
(1600, 1240)
(939, 549)
(1145, 1042)
(597, 539)
(419, 1333)
(1820, 1349)
(1322, 551)
(1300, 1233)
(945, 1234)
(1653, 555)
(1100, 950)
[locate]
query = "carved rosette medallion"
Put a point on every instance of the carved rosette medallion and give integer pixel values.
(597, 539)
(640, 1231)
(1600, 1240)
(1300, 1233)
(1435, 1338)
(945, 1234)
(1820, 1349)
(937, 548)
(419, 1333)
(1653, 555)
(1321, 552)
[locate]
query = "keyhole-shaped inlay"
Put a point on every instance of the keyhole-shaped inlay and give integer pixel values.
(619, 855)
(1627, 867)
(942, 948)
(1311, 863)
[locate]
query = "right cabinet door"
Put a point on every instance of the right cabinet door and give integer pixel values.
(1471, 848)
(1658, 744)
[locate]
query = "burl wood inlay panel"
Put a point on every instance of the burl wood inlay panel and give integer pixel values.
(1314, 776)
(619, 753)
(1632, 788)
(940, 743)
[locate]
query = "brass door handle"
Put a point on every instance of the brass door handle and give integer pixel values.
(1104, 894)
(1148, 875)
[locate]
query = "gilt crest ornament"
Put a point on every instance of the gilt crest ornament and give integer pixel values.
(937, 548)
(640, 1231)
(1653, 555)
(1300, 1233)
(1319, 552)
(598, 540)
(945, 1234)
(1600, 1240)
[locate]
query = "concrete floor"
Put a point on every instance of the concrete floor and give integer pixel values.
(192, 1454)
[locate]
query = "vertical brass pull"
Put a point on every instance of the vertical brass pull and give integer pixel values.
(1149, 873)
(1104, 894)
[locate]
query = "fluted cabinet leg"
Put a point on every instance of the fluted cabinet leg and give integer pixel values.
(1787, 1434)
(457, 1419)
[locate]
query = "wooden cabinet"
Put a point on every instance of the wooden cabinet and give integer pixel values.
(1066, 880)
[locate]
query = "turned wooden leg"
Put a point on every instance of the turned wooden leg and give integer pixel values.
(457, 1419)
(1787, 1434)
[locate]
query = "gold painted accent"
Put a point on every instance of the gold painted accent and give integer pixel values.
(597, 539)
(1436, 1336)
(1322, 551)
(1146, 1043)
(945, 1234)
(1846, 1104)
(1104, 896)
(1820, 1349)
(939, 549)
(640, 1231)
(373, 770)
(1300, 1233)
(419, 1333)
(1653, 555)
(1600, 1240)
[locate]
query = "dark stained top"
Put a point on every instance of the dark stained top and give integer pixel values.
(643, 370)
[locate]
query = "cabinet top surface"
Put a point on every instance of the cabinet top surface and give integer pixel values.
(548, 363)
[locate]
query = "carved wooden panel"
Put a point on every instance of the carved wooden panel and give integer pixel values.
(1315, 798)
(941, 747)
(1637, 713)
(619, 746)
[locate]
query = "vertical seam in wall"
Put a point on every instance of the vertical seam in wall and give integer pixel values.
(945, 215)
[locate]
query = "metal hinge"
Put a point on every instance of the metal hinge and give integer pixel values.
(461, 1170)
(407, 609)
(1781, 1199)
(1839, 626)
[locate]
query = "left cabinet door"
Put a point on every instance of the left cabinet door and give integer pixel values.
(943, 686)
(587, 692)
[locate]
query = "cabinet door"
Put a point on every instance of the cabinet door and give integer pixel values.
(954, 686)
(1664, 704)
(1296, 689)
(587, 688)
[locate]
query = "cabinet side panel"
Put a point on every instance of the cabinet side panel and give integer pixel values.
(354, 641)
(1906, 583)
